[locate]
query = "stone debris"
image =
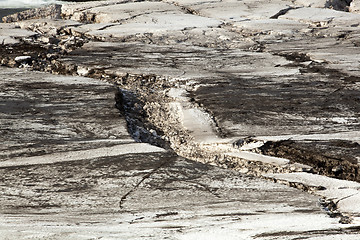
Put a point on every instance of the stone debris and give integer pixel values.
(10, 34)
(52, 11)
(266, 88)
(69, 169)
(354, 6)
(341, 5)
(21, 59)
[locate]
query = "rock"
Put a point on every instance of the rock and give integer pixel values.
(68, 162)
(321, 17)
(110, 13)
(354, 6)
(337, 170)
(329, 188)
(9, 34)
(196, 78)
(342, 5)
(52, 11)
(164, 18)
(282, 27)
(48, 27)
(22, 59)
(274, 58)
(83, 71)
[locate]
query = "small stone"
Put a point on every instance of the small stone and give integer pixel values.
(345, 220)
(244, 170)
(337, 170)
(82, 71)
(21, 59)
